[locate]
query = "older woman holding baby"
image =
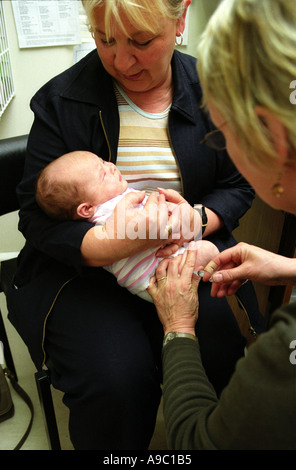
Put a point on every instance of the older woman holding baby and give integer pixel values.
(134, 101)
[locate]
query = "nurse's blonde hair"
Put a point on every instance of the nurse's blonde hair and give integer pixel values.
(247, 58)
(143, 14)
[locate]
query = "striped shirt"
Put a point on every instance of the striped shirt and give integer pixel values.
(145, 157)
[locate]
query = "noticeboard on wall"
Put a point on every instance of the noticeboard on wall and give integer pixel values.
(44, 23)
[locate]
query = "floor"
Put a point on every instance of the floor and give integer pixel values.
(12, 429)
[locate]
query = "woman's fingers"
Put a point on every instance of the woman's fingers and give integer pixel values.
(172, 196)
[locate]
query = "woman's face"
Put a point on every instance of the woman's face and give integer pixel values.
(141, 63)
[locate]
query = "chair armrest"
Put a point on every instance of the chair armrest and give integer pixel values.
(7, 271)
(8, 255)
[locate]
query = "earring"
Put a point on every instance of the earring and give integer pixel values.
(277, 189)
(180, 42)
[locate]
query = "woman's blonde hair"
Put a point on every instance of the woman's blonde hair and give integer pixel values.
(246, 58)
(144, 14)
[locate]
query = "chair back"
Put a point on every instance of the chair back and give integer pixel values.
(12, 160)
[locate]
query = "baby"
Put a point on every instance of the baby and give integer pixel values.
(80, 185)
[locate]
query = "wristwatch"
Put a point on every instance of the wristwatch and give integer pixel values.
(177, 334)
(204, 217)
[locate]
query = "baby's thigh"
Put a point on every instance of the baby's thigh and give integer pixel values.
(206, 251)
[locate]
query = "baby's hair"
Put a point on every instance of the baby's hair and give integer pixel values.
(58, 191)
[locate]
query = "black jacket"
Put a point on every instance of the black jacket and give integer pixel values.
(78, 110)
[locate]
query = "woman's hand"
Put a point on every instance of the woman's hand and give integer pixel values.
(234, 266)
(175, 296)
(150, 226)
(190, 222)
(186, 222)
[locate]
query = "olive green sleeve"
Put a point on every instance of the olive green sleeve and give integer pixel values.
(257, 410)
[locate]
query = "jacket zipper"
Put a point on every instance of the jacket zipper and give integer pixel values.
(47, 315)
(105, 134)
(251, 328)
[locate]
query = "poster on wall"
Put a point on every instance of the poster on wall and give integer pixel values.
(44, 23)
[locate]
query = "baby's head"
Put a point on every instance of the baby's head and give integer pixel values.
(74, 185)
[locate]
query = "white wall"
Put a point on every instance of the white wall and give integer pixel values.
(31, 68)
(200, 12)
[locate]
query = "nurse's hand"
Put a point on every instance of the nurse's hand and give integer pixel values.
(233, 267)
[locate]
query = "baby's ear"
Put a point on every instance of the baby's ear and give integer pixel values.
(85, 210)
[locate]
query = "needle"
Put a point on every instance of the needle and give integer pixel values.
(201, 274)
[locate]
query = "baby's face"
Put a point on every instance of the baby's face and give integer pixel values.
(105, 181)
